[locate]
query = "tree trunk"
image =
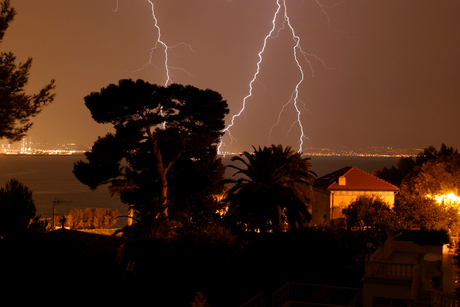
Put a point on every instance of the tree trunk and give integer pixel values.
(157, 214)
(162, 170)
(129, 222)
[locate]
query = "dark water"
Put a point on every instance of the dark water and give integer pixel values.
(324, 165)
(51, 178)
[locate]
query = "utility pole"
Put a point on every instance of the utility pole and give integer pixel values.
(56, 202)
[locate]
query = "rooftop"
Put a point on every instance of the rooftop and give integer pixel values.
(351, 178)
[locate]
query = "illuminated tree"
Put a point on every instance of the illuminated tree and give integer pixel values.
(273, 192)
(17, 108)
(91, 218)
(437, 177)
(426, 213)
(165, 140)
(369, 212)
(416, 203)
(18, 217)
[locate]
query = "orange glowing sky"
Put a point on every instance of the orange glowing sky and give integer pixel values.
(395, 79)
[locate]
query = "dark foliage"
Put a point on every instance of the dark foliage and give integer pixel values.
(18, 219)
(229, 274)
(407, 165)
(274, 192)
(85, 268)
(162, 158)
(64, 266)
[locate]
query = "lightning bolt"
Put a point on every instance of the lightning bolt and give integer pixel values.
(167, 49)
(227, 129)
(297, 50)
(159, 41)
(295, 94)
(296, 90)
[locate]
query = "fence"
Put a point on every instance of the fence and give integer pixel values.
(257, 301)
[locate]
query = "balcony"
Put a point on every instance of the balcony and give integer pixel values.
(403, 270)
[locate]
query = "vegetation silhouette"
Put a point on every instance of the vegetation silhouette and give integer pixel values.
(408, 165)
(162, 158)
(18, 219)
(273, 194)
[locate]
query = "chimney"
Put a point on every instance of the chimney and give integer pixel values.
(342, 180)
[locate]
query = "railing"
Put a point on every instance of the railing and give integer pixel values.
(416, 282)
(442, 299)
(280, 296)
(387, 269)
(257, 301)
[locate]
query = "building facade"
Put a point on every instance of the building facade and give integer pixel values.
(335, 191)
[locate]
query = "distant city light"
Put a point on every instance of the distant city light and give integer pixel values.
(27, 147)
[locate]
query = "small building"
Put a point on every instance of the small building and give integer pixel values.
(403, 273)
(335, 191)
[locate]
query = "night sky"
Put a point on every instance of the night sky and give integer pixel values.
(379, 72)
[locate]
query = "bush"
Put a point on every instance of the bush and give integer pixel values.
(91, 218)
(18, 217)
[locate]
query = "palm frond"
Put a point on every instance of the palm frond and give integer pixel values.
(274, 191)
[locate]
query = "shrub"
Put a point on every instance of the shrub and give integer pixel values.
(18, 217)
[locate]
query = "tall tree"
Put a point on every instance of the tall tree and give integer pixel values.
(273, 192)
(157, 129)
(17, 108)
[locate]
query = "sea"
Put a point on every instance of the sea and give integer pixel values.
(51, 180)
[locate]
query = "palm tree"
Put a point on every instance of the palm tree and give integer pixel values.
(273, 192)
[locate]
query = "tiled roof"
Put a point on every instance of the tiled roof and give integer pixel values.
(355, 180)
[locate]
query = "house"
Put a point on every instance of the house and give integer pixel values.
(335, 191)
